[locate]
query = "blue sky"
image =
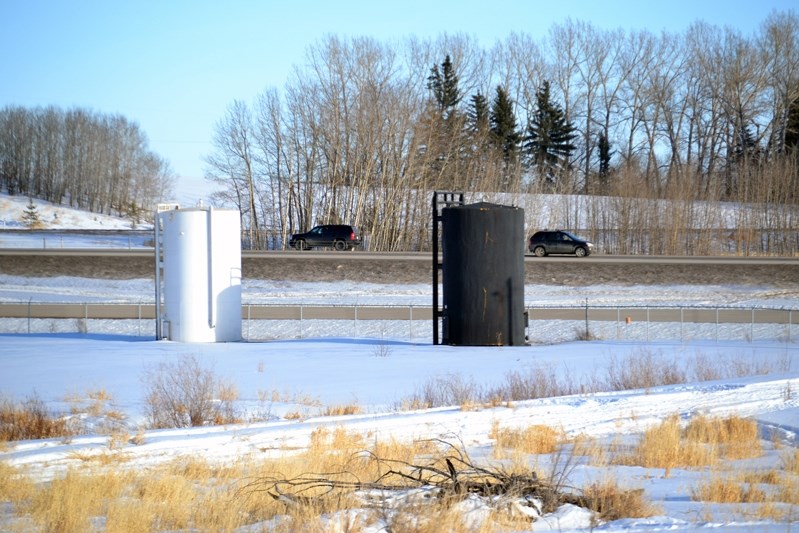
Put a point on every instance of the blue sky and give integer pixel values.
(173, 66)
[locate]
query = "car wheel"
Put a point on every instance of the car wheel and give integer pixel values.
(580, 251)
(340, 246)
(300, 245)
(539, 251)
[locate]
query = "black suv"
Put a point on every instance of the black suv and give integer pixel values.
(558, 242)
(338, 236)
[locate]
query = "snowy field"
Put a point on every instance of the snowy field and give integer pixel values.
(276, 378)
(378, 370)
(29, 290)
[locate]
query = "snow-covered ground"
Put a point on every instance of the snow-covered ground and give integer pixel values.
(34, 291)
(52, 216)
(377, 371)
(378, 374)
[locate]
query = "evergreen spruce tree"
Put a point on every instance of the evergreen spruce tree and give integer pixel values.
(792, 129)
(477, 140)
(443, 82)
(31, 215)
(504, 130)
(746, 150)
(603, 144)
(135, 213)
(445, 125)
(548, 142)
(477, 115)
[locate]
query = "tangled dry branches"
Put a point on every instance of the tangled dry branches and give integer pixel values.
(449, 479)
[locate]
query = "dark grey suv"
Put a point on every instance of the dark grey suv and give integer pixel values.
(543, 243)
(337, 236)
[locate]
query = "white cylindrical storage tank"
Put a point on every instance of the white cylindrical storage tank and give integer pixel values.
(200, 277)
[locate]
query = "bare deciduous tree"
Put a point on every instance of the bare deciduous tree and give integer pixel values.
(86, 159)
(693, 118)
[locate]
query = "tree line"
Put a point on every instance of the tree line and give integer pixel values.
(363, 131)
(92, 161)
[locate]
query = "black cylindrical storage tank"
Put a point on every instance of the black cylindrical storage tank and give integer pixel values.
(483, 275)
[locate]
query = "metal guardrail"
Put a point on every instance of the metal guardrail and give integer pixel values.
(691, 314)
(77, 310)
(585, 320)
(695, 315)
(248, 311)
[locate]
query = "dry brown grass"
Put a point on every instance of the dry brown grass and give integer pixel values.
(118, 439)
(703, 442)
(404, 451)
(768, 477)
(727, 489)
(30, 419)
(341, 410)
(660, 447)
(192, 494)
(183, 495)
(68, 504)
(15, 485)
(93, 402)
(790, 460)
(104, 457)
(295, 397)
(227, 394)
(732, 437)
(773, 511)
(789, 489)
(610, 501)
(533, 439)
(413, 403)
(98, 404)
(773, 493)
(338, 455)
(424, 519)
(296, 415)
(600, 454)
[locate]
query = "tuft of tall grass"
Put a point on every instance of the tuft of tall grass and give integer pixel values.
(703, 442)
(30, 419)
(70, 503)
(610, 501)
(533, 439)
(600, 454)
(790, 460)
(341, 410)
(732, 437)
(721, 489)
(659, 446)
(15, 485)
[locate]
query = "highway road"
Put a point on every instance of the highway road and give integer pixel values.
(408, 256)
(395, 268)
(415, 267)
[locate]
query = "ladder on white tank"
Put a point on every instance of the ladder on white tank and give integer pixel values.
(159, 268)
